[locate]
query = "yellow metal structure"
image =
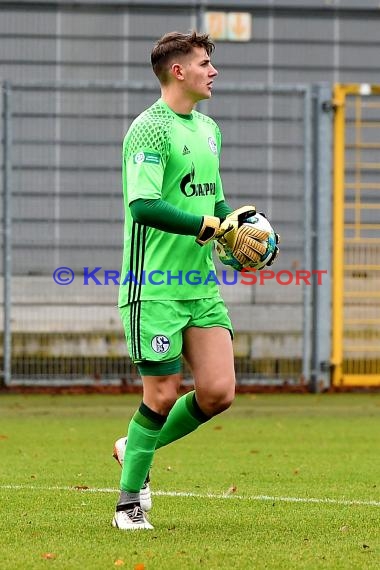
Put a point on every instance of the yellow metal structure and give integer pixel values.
(356, 236)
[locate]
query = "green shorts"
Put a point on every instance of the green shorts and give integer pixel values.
(154, 329)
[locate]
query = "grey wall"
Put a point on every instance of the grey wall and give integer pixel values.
(67, 207)
(292, 41)
(68, 144)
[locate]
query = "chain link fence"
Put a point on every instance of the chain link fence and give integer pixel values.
(63, 219)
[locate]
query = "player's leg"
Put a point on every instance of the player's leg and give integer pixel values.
(207, 346)
(159, 394)
(145, 492)
(161, 380)
(210, 356)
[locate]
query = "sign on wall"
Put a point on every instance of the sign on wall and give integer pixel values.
(230, 26)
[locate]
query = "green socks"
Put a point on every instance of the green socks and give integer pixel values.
(149, 431)
(184, 417)
(143, 432)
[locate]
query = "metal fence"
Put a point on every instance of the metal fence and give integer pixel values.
(356, 294)
(62, 207)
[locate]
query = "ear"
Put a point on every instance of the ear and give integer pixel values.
(177, 71)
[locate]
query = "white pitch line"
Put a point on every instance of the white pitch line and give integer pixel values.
(323, 500)
(270, 498)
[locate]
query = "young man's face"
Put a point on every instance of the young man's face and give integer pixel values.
(198, 74)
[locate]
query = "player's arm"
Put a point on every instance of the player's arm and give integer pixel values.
(159, 214)
(222, 209)
(211, 225)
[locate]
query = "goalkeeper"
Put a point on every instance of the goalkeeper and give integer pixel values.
(174, 209)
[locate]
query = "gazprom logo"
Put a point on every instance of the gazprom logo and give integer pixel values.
(189, 188)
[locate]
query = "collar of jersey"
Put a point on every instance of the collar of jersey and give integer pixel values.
(186, 120)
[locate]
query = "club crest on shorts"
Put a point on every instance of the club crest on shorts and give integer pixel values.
(160, 343)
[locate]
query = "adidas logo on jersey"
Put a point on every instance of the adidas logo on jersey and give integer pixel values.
(185, 150)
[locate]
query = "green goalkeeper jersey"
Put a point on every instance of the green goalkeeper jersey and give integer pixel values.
(175, 158)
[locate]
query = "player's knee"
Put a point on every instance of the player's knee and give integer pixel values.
(217, 402)
(164, 401)
(222, 404)
(161, 395)
(167, 402)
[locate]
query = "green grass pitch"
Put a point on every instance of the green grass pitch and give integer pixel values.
(277, 482)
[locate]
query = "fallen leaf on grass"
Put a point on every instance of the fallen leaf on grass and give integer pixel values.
(49, 556)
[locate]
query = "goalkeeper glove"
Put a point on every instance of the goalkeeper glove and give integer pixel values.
(214, 228)
(209, 229)
(244, 240)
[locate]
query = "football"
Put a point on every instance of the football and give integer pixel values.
(227, 258)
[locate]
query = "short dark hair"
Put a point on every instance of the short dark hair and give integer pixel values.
(174, 44)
